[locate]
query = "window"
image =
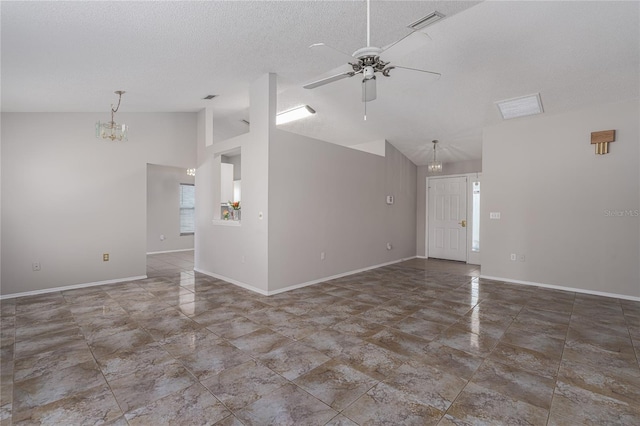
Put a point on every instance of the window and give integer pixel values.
(187, 209)
(475, 224)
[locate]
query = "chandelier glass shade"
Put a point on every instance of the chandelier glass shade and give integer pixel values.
(110, 129)
(434, 166)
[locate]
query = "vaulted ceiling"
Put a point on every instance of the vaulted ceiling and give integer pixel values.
(72, 56)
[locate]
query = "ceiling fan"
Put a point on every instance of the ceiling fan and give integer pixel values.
(367, 62)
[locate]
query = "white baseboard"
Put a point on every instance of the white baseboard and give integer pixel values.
(301, 285)
(70, 287)
(232, 281)
(558, 287)
(170, 251)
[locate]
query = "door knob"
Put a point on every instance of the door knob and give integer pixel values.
(463, 223)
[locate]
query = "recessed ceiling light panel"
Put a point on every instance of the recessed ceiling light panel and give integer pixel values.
(293, 114)
(520, 107)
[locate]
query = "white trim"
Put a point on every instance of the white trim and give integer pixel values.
(421, 257)
(170, 251)
(70, 287)
(232, 281)
(301, 285)
(222, 222)
(559, 287)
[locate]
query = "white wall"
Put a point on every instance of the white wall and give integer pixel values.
(68, 197)
(329, 198)
(460, 167)
(220, 250)
(553, 192)
(163, 208)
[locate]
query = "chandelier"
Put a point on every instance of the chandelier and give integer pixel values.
(434, 166)
(112, 130)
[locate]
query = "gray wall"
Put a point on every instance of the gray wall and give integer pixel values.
(553, 193)
(460, 167)
(68, 197)
(163, 208)
(328, 198)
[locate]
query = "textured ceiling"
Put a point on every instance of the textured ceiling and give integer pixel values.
(71, 56)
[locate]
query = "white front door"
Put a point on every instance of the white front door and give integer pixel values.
(448, 218)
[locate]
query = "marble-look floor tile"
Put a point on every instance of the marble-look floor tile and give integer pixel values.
(341, 420)
(608, 380)
(386, 405)
(123, 364)
(48, 342)
(261, 341)
(372, 360)
(145, 386)
(398, 342)
(234, 328)
(515, 383)
(336, 384)
(358, 326)
(297, 329)
(451, 360)
(479, 405)
(549, 345)
(573, 405)
(53, 386)
(93, 406)
(125, 342)
(286, 406)
(194, 405)
(526, 359)
(243, 384)
(424, 329)
(476, 344)
(427, 384)
(292, 361)
(45, 362)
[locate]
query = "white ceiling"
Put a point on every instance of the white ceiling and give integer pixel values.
(71, 56)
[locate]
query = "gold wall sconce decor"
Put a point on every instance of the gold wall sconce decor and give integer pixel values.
(602, 139)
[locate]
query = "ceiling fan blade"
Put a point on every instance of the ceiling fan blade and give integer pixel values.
(413, 41)
(331, 51)
(369, 91)
(435, 75)
(328, 80)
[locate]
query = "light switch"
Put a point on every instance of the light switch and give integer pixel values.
(389, 199)
(494, 215)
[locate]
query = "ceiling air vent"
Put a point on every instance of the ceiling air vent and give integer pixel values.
(425, 21)
(245, 122)
(520, 107)
(209, 97)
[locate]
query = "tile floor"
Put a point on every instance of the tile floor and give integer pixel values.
(422, 342)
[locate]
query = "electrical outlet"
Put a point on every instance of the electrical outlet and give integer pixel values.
(514, 256)
(243, 259)
(35, 266)
(521, 258)
(321, 255)
(389, 246)
(105, 257)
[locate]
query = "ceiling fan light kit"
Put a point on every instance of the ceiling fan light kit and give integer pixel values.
(368, 63)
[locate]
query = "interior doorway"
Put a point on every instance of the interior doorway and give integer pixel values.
(447, 218)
